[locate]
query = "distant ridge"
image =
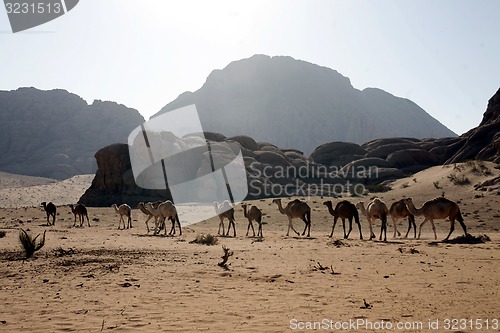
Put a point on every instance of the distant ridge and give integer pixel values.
(296, 104)
(55, 133)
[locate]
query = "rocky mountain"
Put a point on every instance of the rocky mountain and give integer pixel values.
(55, 133)
(482, 142)
(296, 104)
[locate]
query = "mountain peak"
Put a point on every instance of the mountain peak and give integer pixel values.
(297, 104)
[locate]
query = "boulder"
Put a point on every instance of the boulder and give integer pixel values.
(412, 157)
(385, 150)
(337, 153)
(246, 142)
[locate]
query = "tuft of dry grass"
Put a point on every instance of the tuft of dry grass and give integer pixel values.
(2, 234)
(205, 239)
(30, 244)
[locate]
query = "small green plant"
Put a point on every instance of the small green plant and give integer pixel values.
(205, 239)
(30, 244)
(436, 184)
(2, 234)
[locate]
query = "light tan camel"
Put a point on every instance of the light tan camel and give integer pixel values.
(165, 210)
(437, 209)
(123, 210)
(399, 210)
(253, 214)
(225, 211)
(81, 211)
(345, 210)
(50, 210)
(143, 209)
(376, 209)
(296, 209)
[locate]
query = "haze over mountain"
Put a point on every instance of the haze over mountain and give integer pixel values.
(296, 104)
(55, 133)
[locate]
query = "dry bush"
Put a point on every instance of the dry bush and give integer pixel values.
(30, 244)
(205, 239)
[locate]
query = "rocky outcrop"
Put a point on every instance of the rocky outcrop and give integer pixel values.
(114, 181)
(482, 142)
(55, 134)
(337, 153)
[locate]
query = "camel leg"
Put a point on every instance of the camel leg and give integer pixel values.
(350, 227)
(250, 224)
(394, 222)
(372, 235)
(333, 226)
(179, 224)
(130, 221)
(410, 223)
(221, 223)
(231, 222)
(88, 222)
(420, 228)
(343, 227)
(434, 229)
(260, 230)
(383, 229)
(305, 227)
(452, 227)
(290, 225)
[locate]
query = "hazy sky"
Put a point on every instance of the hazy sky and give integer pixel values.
(443, 55)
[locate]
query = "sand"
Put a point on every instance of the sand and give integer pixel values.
(103, 279)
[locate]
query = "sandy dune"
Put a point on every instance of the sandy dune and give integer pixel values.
(103, 279)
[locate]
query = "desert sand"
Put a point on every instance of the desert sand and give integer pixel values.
(104, 279)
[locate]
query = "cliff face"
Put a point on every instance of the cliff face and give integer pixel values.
(296, 104)
(55, 133)
(482, 142)
(114, 181)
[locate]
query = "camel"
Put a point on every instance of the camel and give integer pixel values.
(225, 211)
(399, 210)
(81, 211)
(50, 210)
(296, 209)
(439, 209)
(253, 214)
(123, 210)
(345, 210)
(166, 209)
(143, 209)
(376, 209)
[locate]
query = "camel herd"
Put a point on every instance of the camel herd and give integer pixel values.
(435, 209)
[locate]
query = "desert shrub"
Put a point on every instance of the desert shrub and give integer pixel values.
(205, 239)
(457, 180)
(30, 244)
(405, 185)
(436, 184)
(2, 234)
(478, 168)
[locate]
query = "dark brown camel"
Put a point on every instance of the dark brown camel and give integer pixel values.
(253, 214)
(345, 210)
(81, 211)
(50, 210)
